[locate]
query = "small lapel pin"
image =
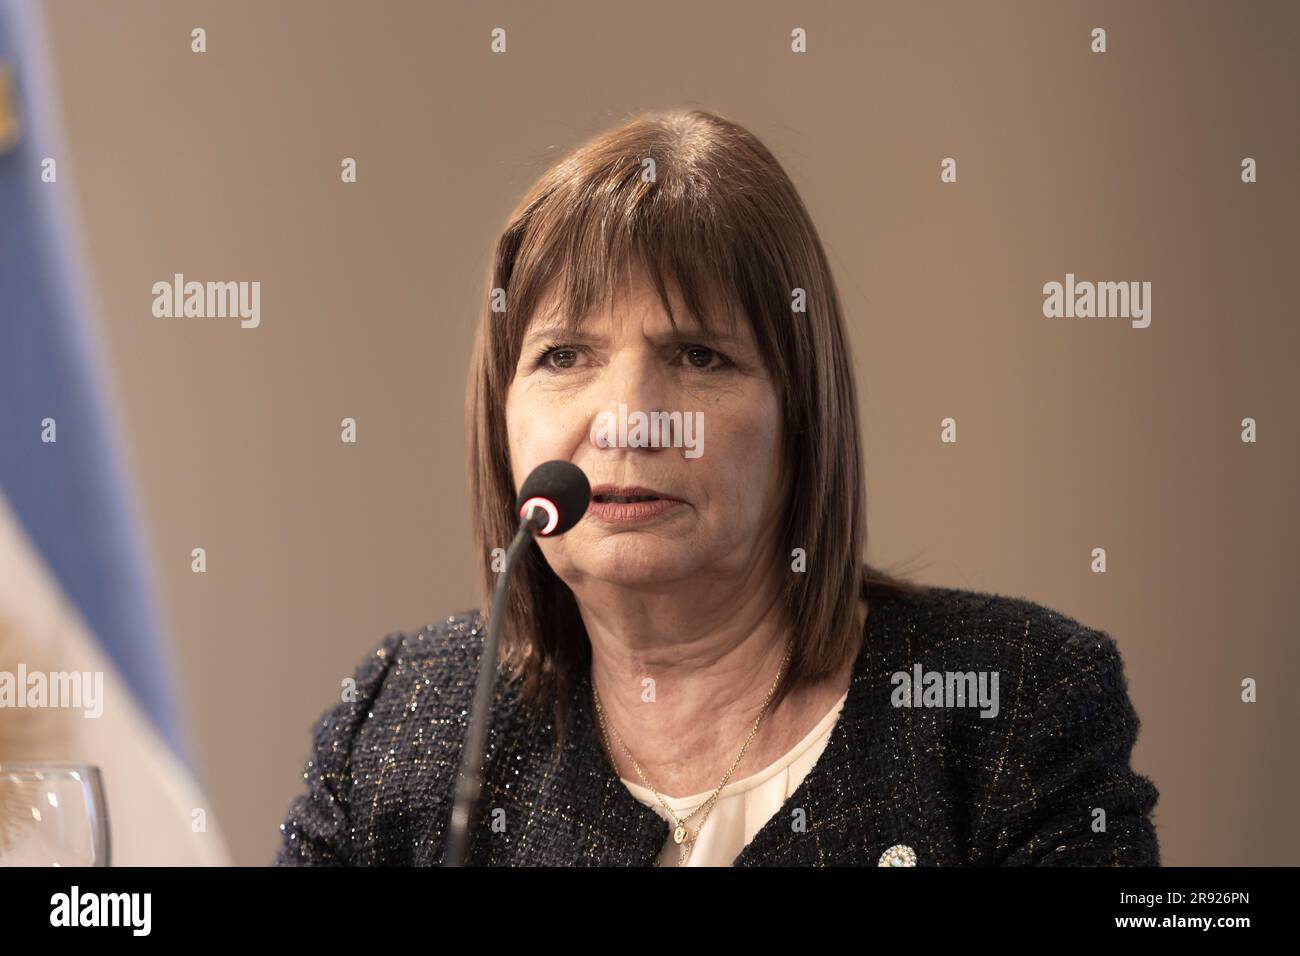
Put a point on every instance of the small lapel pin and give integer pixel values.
(899, 855)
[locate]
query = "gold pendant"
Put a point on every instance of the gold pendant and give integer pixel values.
(681, 835)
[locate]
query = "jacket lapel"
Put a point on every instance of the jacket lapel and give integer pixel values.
(860, 799)
(859, 802)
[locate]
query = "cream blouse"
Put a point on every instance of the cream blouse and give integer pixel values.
(743, 806)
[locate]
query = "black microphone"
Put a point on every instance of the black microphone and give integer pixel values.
(553, 499)
(561, 491)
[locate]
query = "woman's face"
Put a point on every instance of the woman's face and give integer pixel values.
(716, 474)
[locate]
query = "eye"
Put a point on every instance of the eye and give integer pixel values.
(556, 357)
(703, 358)
(565, 356)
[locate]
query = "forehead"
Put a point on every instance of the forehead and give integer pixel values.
(636, 304)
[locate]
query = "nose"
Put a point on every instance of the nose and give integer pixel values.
(633, 390)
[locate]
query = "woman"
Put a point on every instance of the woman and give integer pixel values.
(703, 671)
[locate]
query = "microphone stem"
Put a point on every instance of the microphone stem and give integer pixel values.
(469, 780)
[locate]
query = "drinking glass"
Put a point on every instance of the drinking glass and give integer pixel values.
(52, 814)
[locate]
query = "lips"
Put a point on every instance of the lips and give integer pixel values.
(628, 494)
(632, 508)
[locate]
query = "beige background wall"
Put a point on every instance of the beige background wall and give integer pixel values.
(1073, 434)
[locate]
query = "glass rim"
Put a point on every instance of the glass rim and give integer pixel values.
(52, 766)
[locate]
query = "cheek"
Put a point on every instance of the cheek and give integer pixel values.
(526, 436)
(537, 431)
(762, 448)
(753, 432)
(746, 442)
(516, 439)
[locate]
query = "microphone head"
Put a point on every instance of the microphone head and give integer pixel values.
(561, 490)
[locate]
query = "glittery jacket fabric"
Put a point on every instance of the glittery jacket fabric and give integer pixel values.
(1020, 788)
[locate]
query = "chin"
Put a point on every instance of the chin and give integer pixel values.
(637, 559)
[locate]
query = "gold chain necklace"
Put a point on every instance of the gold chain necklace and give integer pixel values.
(683, 835)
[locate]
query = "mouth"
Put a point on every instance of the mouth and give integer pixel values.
(627, 495)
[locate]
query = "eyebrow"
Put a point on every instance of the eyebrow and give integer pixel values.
(555, 329)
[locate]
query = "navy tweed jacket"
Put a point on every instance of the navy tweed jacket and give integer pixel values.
(1021, 788)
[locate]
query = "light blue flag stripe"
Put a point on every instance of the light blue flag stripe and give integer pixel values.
(71, 496)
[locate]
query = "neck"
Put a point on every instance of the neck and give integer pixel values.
(681, 683)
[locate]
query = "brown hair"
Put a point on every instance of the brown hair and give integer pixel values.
(716, 215)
